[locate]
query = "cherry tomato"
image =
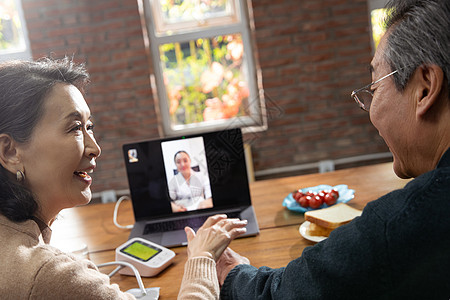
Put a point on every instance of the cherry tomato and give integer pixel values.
(310, 193)
(304, 201)
(298, 195)
(315, 202)
(329, 199)
(321, 194)
(316, 199)
(335, 194)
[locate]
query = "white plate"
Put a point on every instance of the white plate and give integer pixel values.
(303, 231)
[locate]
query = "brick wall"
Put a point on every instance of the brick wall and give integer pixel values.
(312, 53)
(107, 36)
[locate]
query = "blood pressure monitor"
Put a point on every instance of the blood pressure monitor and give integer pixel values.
(149, 258)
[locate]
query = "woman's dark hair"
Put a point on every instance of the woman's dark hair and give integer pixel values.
(420, 35)
(24, 86)
(175, 156)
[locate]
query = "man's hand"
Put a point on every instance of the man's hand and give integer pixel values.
(227, 262)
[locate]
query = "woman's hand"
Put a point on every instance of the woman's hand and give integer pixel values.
(214, 236)
(176, 207)
(205, 204)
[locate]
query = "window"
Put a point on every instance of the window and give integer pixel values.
(14, 42)
(377, 15)
(205, 70)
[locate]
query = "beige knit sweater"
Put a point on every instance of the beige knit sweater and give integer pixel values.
(32, 269)
(199, 280)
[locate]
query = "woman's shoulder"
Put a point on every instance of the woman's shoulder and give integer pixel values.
(28, 259)
(176, 179)
(65, 275)
(198, 175)
(18, 230)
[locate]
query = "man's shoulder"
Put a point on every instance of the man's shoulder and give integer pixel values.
(434, 181)
(423, 194)
(437, 178)
(444, 162)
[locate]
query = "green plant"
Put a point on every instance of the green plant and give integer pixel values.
(204, 79)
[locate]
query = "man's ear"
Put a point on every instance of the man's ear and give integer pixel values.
(429, 80)
(9, 157)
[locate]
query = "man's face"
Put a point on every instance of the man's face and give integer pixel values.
(393, 113)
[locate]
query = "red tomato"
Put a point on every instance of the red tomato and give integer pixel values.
(304, 201)
(321, 194)
(315, 199)
(310, 193)
(334, 193)
(329, 199)
(315, 202)
(297, 195)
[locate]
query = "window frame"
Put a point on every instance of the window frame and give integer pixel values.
(255, 120)
(158, 20)
(23, 54)
(372, 5)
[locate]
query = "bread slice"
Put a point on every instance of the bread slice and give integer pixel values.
(316, 230)
(332, 217)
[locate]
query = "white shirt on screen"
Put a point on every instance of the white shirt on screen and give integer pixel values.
(189, 194)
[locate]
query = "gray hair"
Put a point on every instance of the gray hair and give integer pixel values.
(420, 35)
(181, 151)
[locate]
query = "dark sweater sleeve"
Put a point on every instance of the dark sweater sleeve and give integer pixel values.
(347, 257)
(398, 249)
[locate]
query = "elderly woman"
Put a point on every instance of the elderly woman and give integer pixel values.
(47, 153)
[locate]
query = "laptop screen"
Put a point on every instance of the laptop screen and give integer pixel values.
(187, 174)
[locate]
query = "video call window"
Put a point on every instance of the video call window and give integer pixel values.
(187, 174)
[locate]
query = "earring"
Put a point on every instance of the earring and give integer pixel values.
(20, 176)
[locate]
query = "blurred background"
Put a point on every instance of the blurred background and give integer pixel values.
(282, 70)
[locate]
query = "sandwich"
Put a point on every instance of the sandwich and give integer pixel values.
(324, 221)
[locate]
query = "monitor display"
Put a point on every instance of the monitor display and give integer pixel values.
(180, 175)
(140, 250)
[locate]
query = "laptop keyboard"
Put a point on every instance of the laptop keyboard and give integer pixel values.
(195, 222)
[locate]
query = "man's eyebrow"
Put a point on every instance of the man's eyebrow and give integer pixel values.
(371, 69)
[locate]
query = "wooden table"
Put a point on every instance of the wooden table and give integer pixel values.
(278, 242)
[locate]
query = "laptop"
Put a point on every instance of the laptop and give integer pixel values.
(164, 202)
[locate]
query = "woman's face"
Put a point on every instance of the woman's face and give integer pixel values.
(61, 153)
(183, 163)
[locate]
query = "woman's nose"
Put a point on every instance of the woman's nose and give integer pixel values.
(92, 149)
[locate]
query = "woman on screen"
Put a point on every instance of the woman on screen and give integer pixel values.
(188, 190)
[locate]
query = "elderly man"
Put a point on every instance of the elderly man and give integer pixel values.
(400, 247)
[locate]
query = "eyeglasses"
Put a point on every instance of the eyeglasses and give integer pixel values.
(364, 95)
